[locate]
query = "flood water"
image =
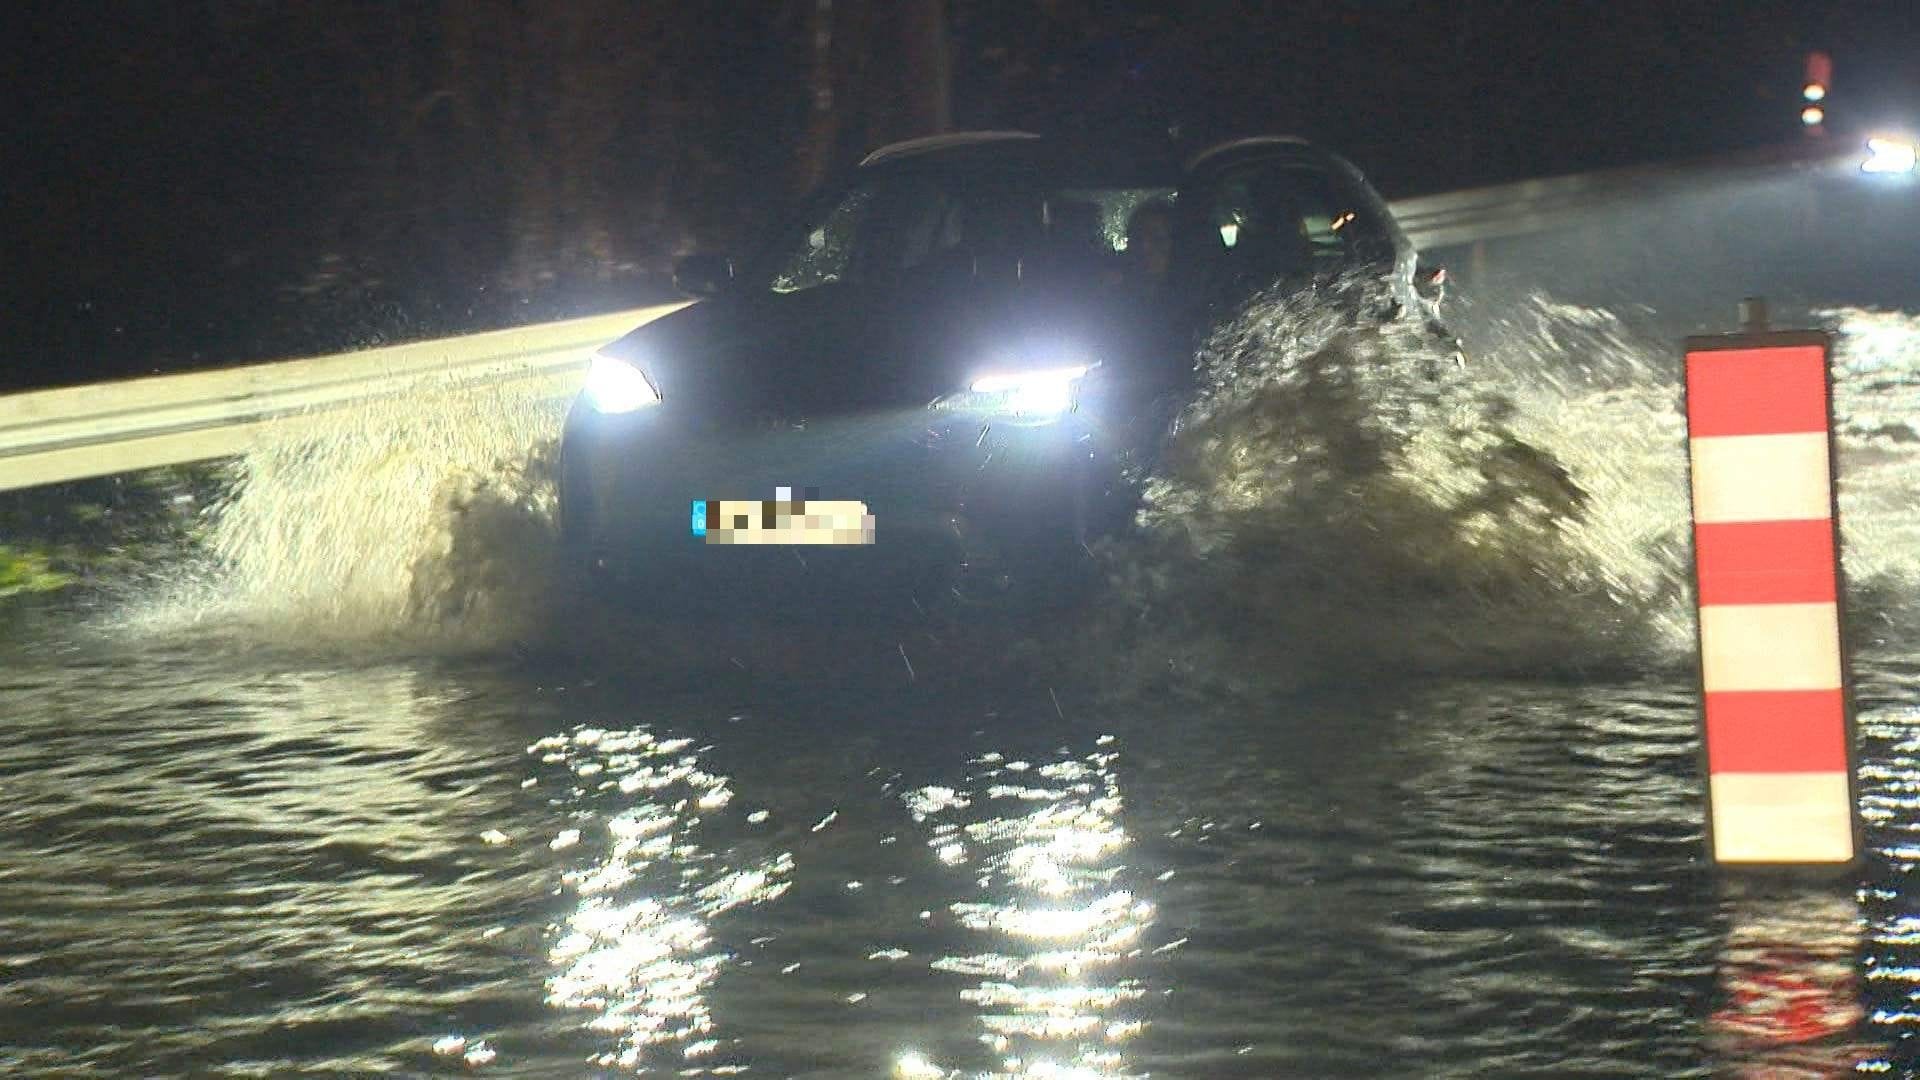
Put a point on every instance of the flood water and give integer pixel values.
(363, 791)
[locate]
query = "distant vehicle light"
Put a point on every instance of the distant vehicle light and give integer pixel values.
(616, 386)
(1887, 155)
(1033, 393)
(1814, 92)
(1812, 114)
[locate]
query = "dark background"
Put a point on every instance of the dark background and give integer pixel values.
(197, 183)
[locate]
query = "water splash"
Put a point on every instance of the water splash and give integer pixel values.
(427, 520)
(1338, 503)
(1339, 499)
(1877, 414)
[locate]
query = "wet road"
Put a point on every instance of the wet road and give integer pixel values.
(435, 867)
(345, 807)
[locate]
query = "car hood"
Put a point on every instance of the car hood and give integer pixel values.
(835, 350)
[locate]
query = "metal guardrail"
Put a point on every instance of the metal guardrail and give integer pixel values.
(47, 436)
(1534, 206)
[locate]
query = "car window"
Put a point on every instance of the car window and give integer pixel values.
(882, 228)
(1104, 214)
(823, 253)
(1282, 218)
(929, 219)
(912, 222)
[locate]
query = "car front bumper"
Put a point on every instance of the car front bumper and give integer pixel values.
(932, 480)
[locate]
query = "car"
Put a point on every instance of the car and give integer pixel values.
(966, 347)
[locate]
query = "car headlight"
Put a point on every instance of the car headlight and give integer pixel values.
(617, 386)
(1888, 155)
(1034, 394)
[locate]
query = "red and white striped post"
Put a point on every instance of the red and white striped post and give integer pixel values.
(1776, 710)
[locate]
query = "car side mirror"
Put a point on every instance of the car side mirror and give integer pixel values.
(1430, 282)
(703, 275)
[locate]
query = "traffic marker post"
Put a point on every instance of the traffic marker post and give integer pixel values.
(1777, 721)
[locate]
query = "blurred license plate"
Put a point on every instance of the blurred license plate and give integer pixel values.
(782, 520)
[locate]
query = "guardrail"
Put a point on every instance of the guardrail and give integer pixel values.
(1534, 206)
(47, 436)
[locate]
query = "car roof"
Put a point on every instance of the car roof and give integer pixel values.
(1066, 161)
(1093, 162)
(927, 144)
(1251, 144)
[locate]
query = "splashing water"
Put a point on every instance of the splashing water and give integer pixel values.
(427, 519)
(1338, 503)
(1339, 499)
(1877, 414)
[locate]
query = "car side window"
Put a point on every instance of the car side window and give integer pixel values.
(824, 252)
(936, 222)
(931, 222)
(1279, 219)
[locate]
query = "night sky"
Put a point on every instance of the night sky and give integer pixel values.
(207, 182)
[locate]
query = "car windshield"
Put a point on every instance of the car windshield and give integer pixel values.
(880, 228)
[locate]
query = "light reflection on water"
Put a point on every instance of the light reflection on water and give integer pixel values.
(1789, 994)
(1057, 925)
(637, 951)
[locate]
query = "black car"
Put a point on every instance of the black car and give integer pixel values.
(963, 342)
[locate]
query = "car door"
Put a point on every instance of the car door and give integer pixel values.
(1269, 212)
